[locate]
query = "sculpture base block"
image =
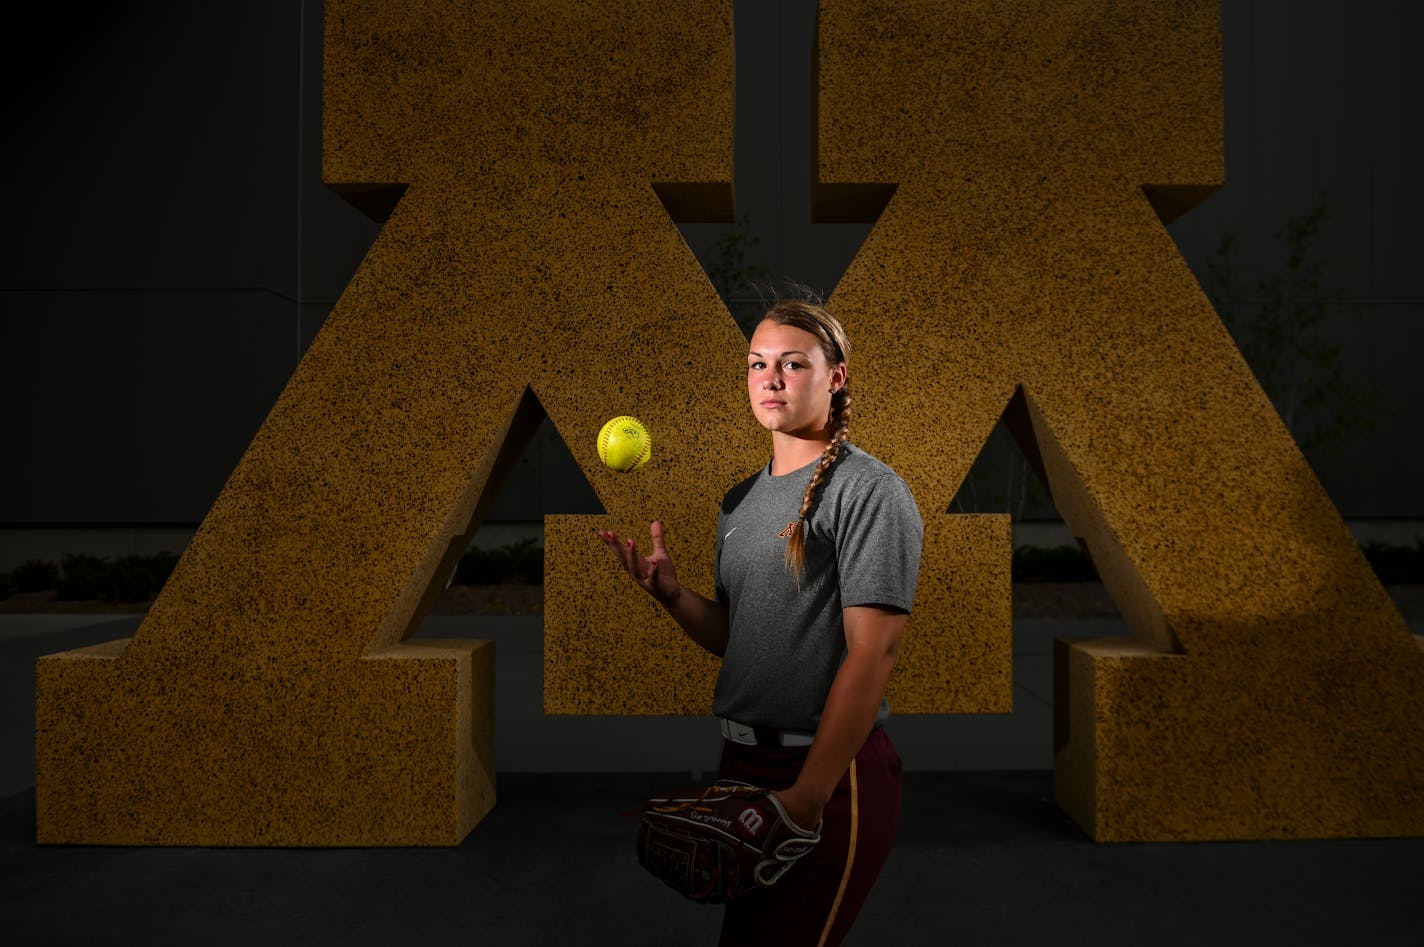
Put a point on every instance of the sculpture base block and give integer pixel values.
(396, 749)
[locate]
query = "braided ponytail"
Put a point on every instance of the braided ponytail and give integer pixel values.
(836, 347)
(840, 430)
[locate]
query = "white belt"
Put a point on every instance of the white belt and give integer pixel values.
(748, 735)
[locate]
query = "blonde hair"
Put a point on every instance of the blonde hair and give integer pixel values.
(836, 347)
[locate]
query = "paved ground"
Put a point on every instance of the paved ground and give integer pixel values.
(983, 857)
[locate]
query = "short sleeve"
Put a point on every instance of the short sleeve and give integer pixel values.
(878, 543)
(719, 591)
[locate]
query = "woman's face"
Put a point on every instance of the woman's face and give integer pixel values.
(789, 381)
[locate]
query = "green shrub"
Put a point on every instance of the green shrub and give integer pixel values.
(125, 579)
(141, 578)
(84, 577)
(35, 575)
(1053, 564)
(1397, 565)
(1394, 565)
(520, 562)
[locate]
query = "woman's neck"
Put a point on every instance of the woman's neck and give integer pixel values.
(793, 451)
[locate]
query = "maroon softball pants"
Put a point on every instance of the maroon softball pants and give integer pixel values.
(816, 902)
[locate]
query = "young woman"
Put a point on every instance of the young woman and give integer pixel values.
(817, 558)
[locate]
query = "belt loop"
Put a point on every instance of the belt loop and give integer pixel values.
(767, 736)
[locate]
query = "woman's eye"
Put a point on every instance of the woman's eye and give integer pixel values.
(756, 366)
(791, 365)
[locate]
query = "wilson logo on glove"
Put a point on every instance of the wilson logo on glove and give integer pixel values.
(751, 820)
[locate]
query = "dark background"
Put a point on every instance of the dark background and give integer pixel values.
(171, 250)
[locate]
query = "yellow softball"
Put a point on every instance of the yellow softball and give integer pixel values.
(624, 444)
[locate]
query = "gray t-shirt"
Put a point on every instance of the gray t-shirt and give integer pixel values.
(862, 548)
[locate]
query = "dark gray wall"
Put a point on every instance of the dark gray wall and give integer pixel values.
(171, 249)
(1325, 98)
(151, 289)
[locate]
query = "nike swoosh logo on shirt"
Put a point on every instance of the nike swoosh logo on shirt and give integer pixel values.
(729, 532)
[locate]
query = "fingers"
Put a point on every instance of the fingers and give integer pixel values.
(636, 563)
(621, 548)
(644, 570)
(627, 553)
(609, 539)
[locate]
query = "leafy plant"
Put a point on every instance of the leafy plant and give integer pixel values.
(84, 577)
(125, 579)
(735, 276)
(141, 578)
(1397, 565)
(34, 575)
(1052, 564)
(1277, 320)
(1393, 564)
(519, 562)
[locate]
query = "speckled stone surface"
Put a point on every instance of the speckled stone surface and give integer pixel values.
(269, 698)
(1033, 150)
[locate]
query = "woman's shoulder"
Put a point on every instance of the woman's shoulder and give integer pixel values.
(735, 495)
(867, 493)
(863, 478)
(855, 465)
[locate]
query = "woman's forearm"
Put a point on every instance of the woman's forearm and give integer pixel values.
(703, 619)
(872, 646)
(851, 708)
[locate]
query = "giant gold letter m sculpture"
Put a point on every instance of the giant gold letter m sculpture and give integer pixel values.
(528, 155)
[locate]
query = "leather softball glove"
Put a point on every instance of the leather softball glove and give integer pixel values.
(718, 843)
